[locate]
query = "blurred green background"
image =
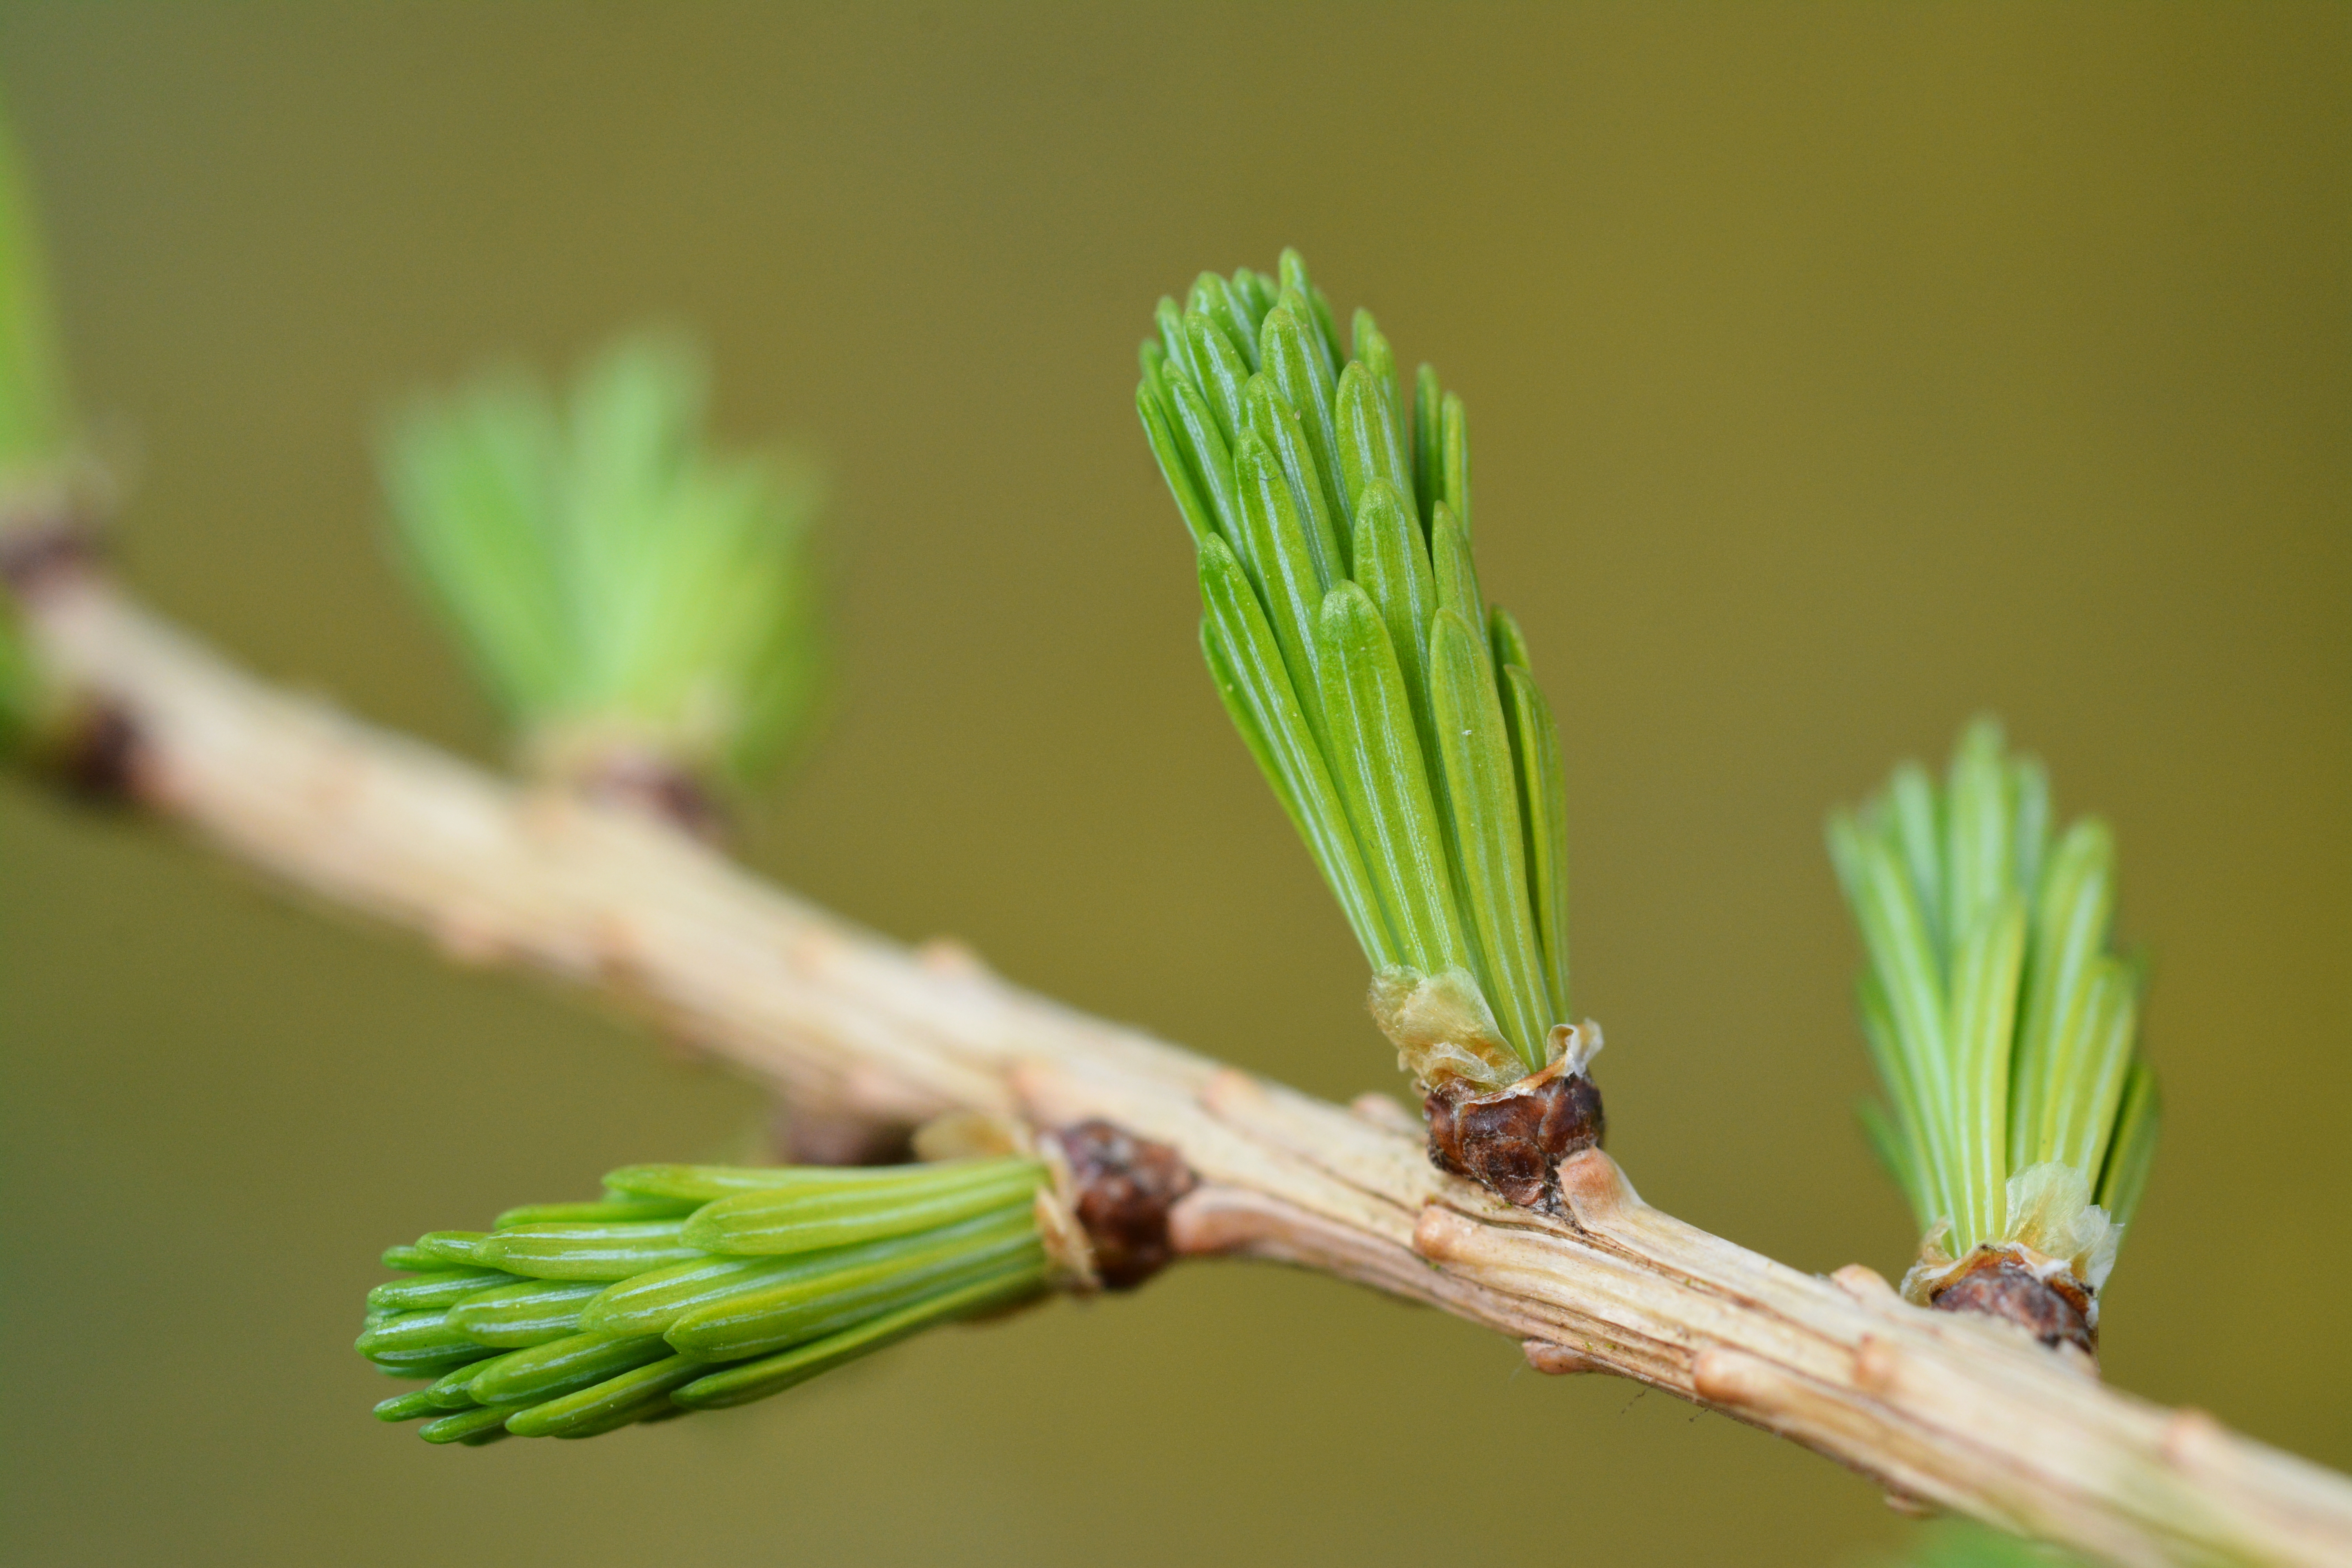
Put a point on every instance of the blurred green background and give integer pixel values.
(1837, 371)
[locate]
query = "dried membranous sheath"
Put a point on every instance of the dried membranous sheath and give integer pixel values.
(637, 603)
(698, 1287)
(1393, 710)
(2020, 1117)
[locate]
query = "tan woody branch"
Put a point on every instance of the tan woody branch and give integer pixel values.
(1954, 1412)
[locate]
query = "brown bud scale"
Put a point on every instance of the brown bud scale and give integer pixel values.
(2056, 1310)
(95, 755)
(1123, 1187)
(1512, 1141)
(633, 780)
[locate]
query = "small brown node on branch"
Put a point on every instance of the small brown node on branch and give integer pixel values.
(1122, 1188)
(1877, 1365)
(1721, 1376)
(1556, 1359)
(97, 753)
(946, 955)
(2191, 1436)
(1865, 1285)
(1593, 1189)
(1441, 1236)
(1512, 1141)
(633, 779)
(2054, 1308)
(1231, 1091)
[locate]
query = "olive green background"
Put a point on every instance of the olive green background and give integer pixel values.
(1836, 372)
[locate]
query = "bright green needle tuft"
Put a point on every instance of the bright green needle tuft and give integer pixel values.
(35, 432)
(42, 478)
(568, 1321)
(627, 594)
(1346, 634)
(2004, 1030)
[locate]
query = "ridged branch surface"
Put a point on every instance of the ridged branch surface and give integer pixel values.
(1947, 1411)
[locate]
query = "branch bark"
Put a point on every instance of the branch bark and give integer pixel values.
(1953, 1412)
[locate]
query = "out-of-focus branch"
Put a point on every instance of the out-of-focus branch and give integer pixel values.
(1962, 1414)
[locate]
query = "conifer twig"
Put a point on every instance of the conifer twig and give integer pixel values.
(635, 599)
(2023, 1118)
(1394, 711)
(1951, 1411)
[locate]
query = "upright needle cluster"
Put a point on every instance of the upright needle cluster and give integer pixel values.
(1389, 708)
(34, 423)
(2020, 1117)
(625, 593)
(45, 483)
(692, 1288)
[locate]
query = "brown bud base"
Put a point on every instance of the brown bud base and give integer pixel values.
(1123, 1187)
(1511, 1141)
(2054, 1307)
(639, 781)
(95, 752)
